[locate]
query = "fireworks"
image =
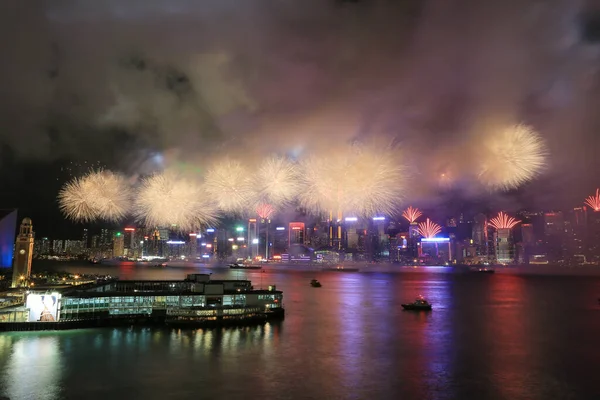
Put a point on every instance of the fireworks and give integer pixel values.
(412, 214)
(98, 195)
(76, 200)
(229, 185)
(276, 181)
(594, 201)
(429, 229)
(265, 211)
(172, 201)
(358, 180)
(512, 158)
(503, 221)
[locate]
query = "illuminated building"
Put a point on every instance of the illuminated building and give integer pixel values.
(296, 233)
(118, 245)
(351, 239)
(554, 236)
(505, 251)
(41, 247)
(8, 226)
(280, 240)
(253, 238)
(129, 239)
(194, 245)
(84, 238)
(196, 300)
(95, 241)
(480, 234)
(57, 247)
(528, 243)
(435, 249)
(23, 254)
(593, 235)
(335, 235)
(413, 230)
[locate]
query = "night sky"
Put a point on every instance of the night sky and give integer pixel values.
(119, 82)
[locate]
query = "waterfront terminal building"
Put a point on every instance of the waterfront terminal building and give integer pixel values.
(195, 301)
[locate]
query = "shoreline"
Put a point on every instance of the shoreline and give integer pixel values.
(550, 270)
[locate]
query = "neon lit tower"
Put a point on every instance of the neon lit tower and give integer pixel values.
(503, 239)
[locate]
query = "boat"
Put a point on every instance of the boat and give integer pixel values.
(244, 266)
(420, 304)
(341, 269)
(483, 270)
(315, 283)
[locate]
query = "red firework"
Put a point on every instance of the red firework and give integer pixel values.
(594, 201)
(503, 221)
(411, 214)
(429, 229)
(265, 211)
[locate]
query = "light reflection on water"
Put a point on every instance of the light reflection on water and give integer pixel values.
(33, 369)
(491, 337)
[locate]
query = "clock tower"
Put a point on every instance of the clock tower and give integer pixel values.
(23, 254)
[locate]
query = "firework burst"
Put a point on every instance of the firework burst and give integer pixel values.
(594, 201)
(276, 181)
(515, 156)
(172, 201)
(429, 229)
(228, 184)
(411, 214)
(503, 221)
(77, 199)
(265, 211)
(359, 180)
(98, 195)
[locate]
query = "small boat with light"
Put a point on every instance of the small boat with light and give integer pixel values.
(483, 270)
(341, 268)
(244, 266)
(420, 304)
(315, 283)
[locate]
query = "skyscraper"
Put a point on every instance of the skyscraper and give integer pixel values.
(480, 234)
(118, 245)
(554, 236)
(84, 238)
(505, 250)
(295, 233)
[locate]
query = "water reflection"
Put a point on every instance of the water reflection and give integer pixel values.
(33, 369)
(488, 337)
(426, 360)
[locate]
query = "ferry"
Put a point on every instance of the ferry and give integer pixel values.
(196, 301)
(244, 266)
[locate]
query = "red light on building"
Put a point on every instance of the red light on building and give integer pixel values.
(296, 233)
(193, 234)
(129, 229)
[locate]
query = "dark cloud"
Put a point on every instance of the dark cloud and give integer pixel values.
(254, 76)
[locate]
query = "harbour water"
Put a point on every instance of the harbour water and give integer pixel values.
(497, 336)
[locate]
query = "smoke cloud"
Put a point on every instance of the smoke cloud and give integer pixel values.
(194, 81)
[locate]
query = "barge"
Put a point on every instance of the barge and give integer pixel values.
(194, 302)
